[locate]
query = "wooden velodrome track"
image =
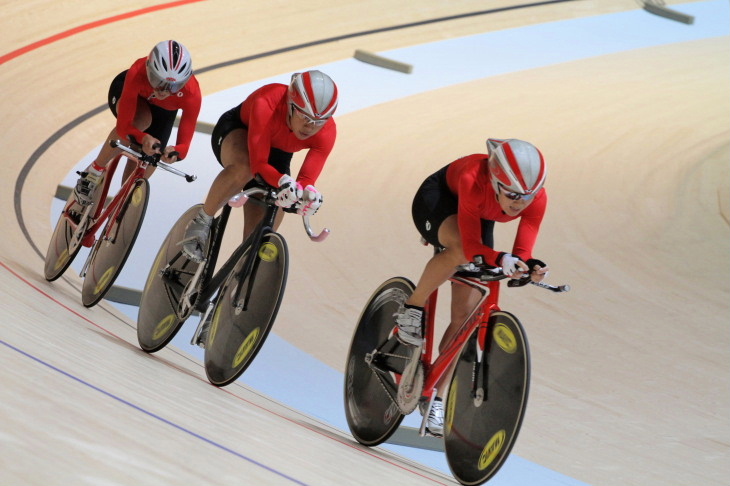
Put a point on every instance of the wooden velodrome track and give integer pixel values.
(630, 370)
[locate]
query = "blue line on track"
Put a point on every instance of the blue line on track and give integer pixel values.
(153, 415)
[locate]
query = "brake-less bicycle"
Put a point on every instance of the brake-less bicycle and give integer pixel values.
(239, 302)
(122, 216)
(386, 380)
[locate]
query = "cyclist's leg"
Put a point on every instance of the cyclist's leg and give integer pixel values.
(463, 300)
(230, 146)
(463, 297)
(433, 205)
(434, 214)
(443, 264)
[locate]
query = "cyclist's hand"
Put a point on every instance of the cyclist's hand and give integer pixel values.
(512, 266)
(310, 201)
(538, 269)
(170, 155)
(289, 191)
(150, 145)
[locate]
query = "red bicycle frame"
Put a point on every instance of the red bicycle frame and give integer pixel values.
(101, 213)
(479, 317)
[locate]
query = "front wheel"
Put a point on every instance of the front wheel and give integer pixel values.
(113, 247)
(487, 400)
(245, 310)
(374, 363)
(159, 320)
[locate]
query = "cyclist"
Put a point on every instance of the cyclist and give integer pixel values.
(258, 138)
(145, 100)
(455, 210)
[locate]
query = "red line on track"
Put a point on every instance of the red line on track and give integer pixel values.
(91, 25)
(27, 282)
(229, 392)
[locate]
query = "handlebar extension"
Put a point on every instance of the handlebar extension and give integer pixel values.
(153, 160)
(242, 197)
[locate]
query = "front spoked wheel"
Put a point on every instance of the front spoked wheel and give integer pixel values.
(245, 311)
(112, 249)
(487, 400)
(159, 318)
(374, 364)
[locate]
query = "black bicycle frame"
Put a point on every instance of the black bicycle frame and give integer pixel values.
(250, 265)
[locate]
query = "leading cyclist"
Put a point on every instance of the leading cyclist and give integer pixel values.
(145, 100)
(259, 137)
(455, 210)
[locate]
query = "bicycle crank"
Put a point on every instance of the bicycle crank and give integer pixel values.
(186, 305)
(410, 387)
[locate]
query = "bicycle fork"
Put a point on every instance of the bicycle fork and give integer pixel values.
(480, 372)
(250, 267)
(201, 332)
(89, 259)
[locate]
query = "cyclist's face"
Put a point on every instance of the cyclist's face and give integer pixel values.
(161, 94)
(303, 126)
(510, 206)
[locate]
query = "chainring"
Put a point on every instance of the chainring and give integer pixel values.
(410, 387)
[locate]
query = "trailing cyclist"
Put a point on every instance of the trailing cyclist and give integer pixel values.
(145, 100)
(455, 210)
(258, 138)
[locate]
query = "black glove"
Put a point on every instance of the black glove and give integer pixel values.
(534, 261)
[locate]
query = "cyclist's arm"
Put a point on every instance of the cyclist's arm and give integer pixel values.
(529, 227)
(470, 192)
(190, 112)
(127, 105)
(317, 155)
(470, 227)
(259, 140)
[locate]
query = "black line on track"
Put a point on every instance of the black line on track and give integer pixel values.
(46, 145)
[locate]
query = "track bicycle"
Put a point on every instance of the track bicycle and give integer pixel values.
(122, 216)
(238, 302)
(386, 380)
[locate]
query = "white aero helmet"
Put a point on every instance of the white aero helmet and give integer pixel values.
(169, 66)
(314, 94)
(516, 165)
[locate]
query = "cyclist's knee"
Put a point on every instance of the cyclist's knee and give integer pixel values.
(454, 255)
(238, 174)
